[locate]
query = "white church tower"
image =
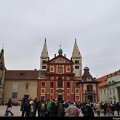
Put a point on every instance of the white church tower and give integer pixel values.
(44, 57)
(77, 59)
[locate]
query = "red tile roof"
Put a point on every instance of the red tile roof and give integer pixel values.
(21, 74)
(103, 79)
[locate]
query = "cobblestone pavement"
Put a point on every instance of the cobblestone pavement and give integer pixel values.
(17, 112)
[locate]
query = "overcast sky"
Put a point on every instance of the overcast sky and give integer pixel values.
(24, 24)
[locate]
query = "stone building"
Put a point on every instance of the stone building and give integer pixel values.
(58, 78)
(109, 87)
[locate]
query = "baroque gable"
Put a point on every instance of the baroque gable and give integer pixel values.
(60, 59)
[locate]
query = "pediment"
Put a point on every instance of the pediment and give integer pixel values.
(60, 59)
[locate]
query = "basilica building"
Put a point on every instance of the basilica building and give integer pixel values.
(58, 78)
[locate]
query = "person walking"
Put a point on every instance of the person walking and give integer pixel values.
(9, 107)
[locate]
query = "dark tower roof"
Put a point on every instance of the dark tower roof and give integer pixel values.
(60, 51)
(86, 75)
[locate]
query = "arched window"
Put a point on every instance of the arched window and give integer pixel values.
(60, 82)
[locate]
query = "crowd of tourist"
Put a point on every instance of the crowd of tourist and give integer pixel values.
(54, 108)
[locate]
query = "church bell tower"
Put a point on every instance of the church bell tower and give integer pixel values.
(77, 59)
(44, 57)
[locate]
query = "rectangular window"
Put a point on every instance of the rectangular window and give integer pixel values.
(76, 85)
(76, 67)
(68, 84)
(42, 84)
(42, 90)
(76, 91)
(51, 69)
(76, 61)
(51, 84)
(60, 82)
(89, 88)
(44, 61)
(43, 67)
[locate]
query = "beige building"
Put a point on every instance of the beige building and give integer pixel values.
(20, 83)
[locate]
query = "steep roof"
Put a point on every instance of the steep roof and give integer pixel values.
(44, 53)
(76, 52)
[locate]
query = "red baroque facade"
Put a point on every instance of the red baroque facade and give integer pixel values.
(59, 82)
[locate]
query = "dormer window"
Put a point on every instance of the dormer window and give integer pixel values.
(88, 79)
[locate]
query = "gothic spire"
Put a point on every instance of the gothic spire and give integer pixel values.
(76, 52)
(44, 53)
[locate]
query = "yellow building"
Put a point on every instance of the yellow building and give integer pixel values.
(20, 83)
